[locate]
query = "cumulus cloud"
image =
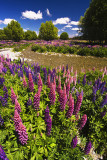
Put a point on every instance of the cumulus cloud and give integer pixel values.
(26, 29)
(75, 29)
(73, 35)
(48, 13)
(6, 21)
(64, 20)
(68, 26)
(1, 21)
(74, 22)
(32, 15)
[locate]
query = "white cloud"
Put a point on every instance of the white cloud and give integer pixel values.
(6, 21)
(64, 20)
(32, 15)
(68, 26)
(1, 28)
(73, 35)
(75, 29)
(48, 13)
(74, 22)
(1, 21)
(26, 29)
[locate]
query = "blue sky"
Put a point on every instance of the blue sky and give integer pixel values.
(30, 14)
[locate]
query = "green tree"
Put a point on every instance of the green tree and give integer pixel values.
(64, 36)
(48, 31)
(2, 35)
(30, 35)
(94, 22)
(14, 31)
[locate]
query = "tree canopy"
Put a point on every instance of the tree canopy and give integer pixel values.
(94, 21)
(64, 36)
(2, 35)
(13, 31)
(48, 31)
(30, 35)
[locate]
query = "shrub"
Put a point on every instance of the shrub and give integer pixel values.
(64, 36)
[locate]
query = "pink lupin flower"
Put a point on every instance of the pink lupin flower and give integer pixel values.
(31, 84)
(24, 82)
(17, 120)
(78, 104)
(71, 79)
(23, 136)
(62, 99)
(75, 74)
(102, 75)
(59, 87)
(71, 107)
(37, 99)
(82, 121)
(68, 88)
(75, 80)
(72, 69)
(39, 81)
(13, 96)
(17, 106)
(52, 94)
(54, 83)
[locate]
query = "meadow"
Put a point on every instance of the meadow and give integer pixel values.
(51, 113)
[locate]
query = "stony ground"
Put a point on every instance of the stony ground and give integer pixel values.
(55, 60)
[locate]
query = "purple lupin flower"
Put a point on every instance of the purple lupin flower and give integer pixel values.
(82, 121)
(104, 102)
(2, 154)
(31, 85)
(48, 81)
(23, 136)
(4, 69)
(74, 142)
(29, 102)
(84, 80)
(78, 104)
(52, 94)
(71, 107)
(5, 89)
(13, 96)
(17, 120)
(103, 114)
(2, 80)
(1, 121)
(48, 121)
(94, 94)
(17, 106)
(37, 99)
(88, 147)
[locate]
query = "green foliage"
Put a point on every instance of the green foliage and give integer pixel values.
(58, 145)
(2, 35)
(94, 22)
(13, 31)
(20, 47)
(64, 36)
(30, 35)
(85, 51)
(48, 31)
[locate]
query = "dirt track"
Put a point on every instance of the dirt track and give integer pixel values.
(77, 62)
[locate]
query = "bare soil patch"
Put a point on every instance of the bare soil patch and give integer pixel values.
(55, 60)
